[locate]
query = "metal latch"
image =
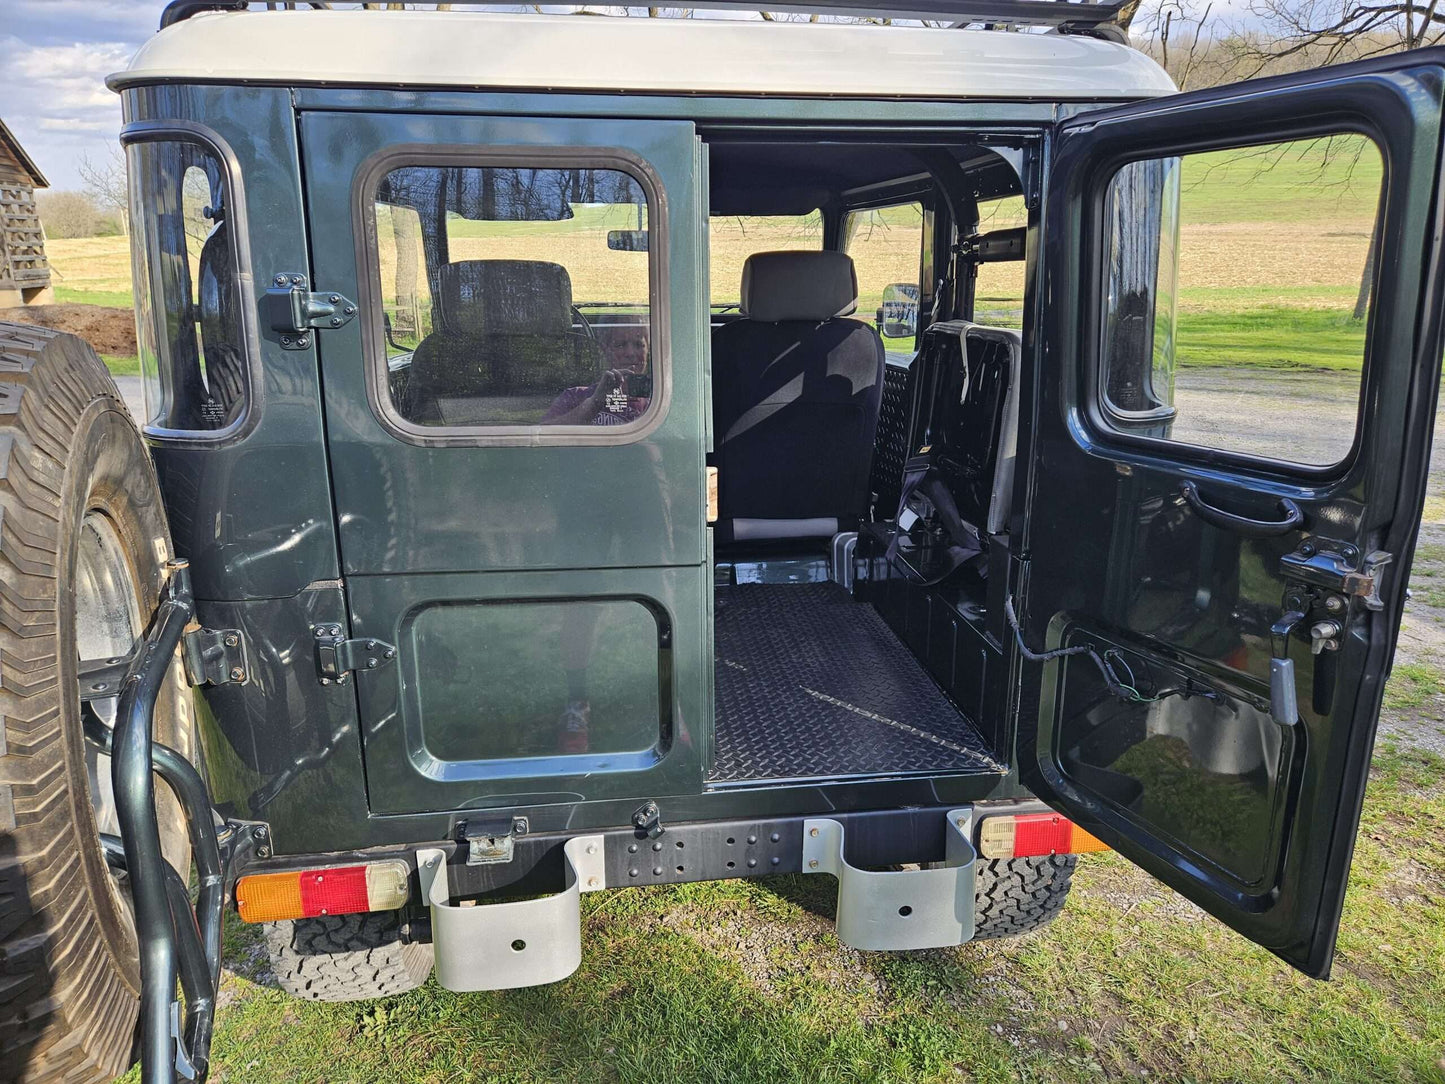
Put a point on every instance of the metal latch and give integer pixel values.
(214, 656)
(294, 310)
(490, 842)
(336, 656)
(1336, 566)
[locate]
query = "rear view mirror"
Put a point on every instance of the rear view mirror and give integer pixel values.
(627, 240)
(898, 315)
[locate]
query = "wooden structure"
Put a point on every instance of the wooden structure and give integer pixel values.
(24, 271)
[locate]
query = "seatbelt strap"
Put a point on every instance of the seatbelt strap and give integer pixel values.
(921, 478)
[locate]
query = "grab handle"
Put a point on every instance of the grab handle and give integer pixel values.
(1250, 528)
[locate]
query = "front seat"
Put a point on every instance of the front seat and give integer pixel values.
(796, 392)
(504, 345)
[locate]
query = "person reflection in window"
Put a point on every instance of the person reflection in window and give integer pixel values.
(616, 399)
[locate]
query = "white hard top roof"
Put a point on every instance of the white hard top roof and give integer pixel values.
(572, 52)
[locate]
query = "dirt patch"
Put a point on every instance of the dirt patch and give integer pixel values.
(108, 331)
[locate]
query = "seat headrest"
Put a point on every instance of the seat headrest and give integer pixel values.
(505, 297)
(798, 286)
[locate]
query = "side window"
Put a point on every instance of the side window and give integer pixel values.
(190, 330)
(515, 297)
(886, 244)
(733, 238)
(1237, 293)
(998, 291)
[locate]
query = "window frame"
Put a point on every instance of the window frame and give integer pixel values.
(199, 134)
(510, 156)
(1104, 420)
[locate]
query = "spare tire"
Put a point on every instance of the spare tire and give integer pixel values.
(83, 544)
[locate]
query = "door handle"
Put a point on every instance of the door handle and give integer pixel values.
(1250, 528)
(1283, 698)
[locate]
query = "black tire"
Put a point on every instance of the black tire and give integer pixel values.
(346, 957)
(71, 464)
(1014, 896)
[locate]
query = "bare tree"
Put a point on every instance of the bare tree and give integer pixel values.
(74, 214)
(1295, 34)
(105, 183)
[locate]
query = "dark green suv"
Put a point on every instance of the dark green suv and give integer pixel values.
(520, 511)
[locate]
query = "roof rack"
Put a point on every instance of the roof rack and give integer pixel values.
(1066, 16)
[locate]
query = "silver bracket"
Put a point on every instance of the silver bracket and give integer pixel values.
(504, 946)
(294, 311)
(336, 656)
(214, 656)
(906, 909)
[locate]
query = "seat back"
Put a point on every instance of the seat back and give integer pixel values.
(503, 345)
(796, 393)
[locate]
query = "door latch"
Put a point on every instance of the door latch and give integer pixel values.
(295, 311)
(336, 656)
(1337, 566)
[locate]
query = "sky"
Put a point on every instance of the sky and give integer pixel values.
(54, 57)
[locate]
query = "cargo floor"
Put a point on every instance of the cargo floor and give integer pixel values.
(811, 683)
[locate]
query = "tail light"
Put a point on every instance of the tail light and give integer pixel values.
(338, 890)
(1027, 835)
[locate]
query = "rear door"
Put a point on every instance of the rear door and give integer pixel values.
(1228, 469)
(516, 429)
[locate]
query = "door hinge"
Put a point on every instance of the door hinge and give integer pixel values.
(336, 656)
(214, 656)
(295, 311)
(1338, 567)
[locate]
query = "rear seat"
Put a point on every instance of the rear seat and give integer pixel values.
(796, 394)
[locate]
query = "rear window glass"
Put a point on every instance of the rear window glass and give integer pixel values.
(733, 238)
(190, 333)
(998, 291)
(515, 297)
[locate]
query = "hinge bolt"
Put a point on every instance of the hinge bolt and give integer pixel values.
(237, 673)
(285, 340)
(335, 299)
(232, 641)
(1334, 604)
(1307, 549)
(336, 321)
(281, 280)
(350, 310)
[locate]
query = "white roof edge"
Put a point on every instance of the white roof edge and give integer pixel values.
(713, 56)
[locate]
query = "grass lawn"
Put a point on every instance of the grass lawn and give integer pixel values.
(119, 366)
(746, 981)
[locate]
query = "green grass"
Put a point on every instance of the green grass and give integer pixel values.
(1272, 337)
(121, 366)
(746, 982)
(111, 299)
(1412, 685)
(1311, 180)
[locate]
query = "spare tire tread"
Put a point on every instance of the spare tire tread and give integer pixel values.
(67, 1011)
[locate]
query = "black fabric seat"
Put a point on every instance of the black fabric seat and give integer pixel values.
(503, 345)
(796, 393)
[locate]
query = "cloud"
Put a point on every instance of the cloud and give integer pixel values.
(56, 102)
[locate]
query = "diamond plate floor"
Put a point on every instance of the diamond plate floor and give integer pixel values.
(811, 683)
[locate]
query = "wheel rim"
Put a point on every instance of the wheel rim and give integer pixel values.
(107, 622)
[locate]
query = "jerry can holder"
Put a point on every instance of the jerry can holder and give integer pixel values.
(505, 945)
(899, 909)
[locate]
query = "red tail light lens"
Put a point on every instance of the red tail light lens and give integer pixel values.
(1028, 835)
(338, 890)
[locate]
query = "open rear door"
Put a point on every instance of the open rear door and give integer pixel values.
(1226, 475)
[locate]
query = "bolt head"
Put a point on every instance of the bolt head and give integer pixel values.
(350, 310)
(233, 641)
(285, 340)
(303, 342)
(591, 882)
(237, 673)
(335, 299)
(371, 664)
(280, 280)
(260, 831)
(1307, 548)
(1334, 604)
(812, 863)
(812, 832)
(591, 848)
(297, 280)
(263, 851)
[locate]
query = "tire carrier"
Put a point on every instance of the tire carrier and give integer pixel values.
(177, 940)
